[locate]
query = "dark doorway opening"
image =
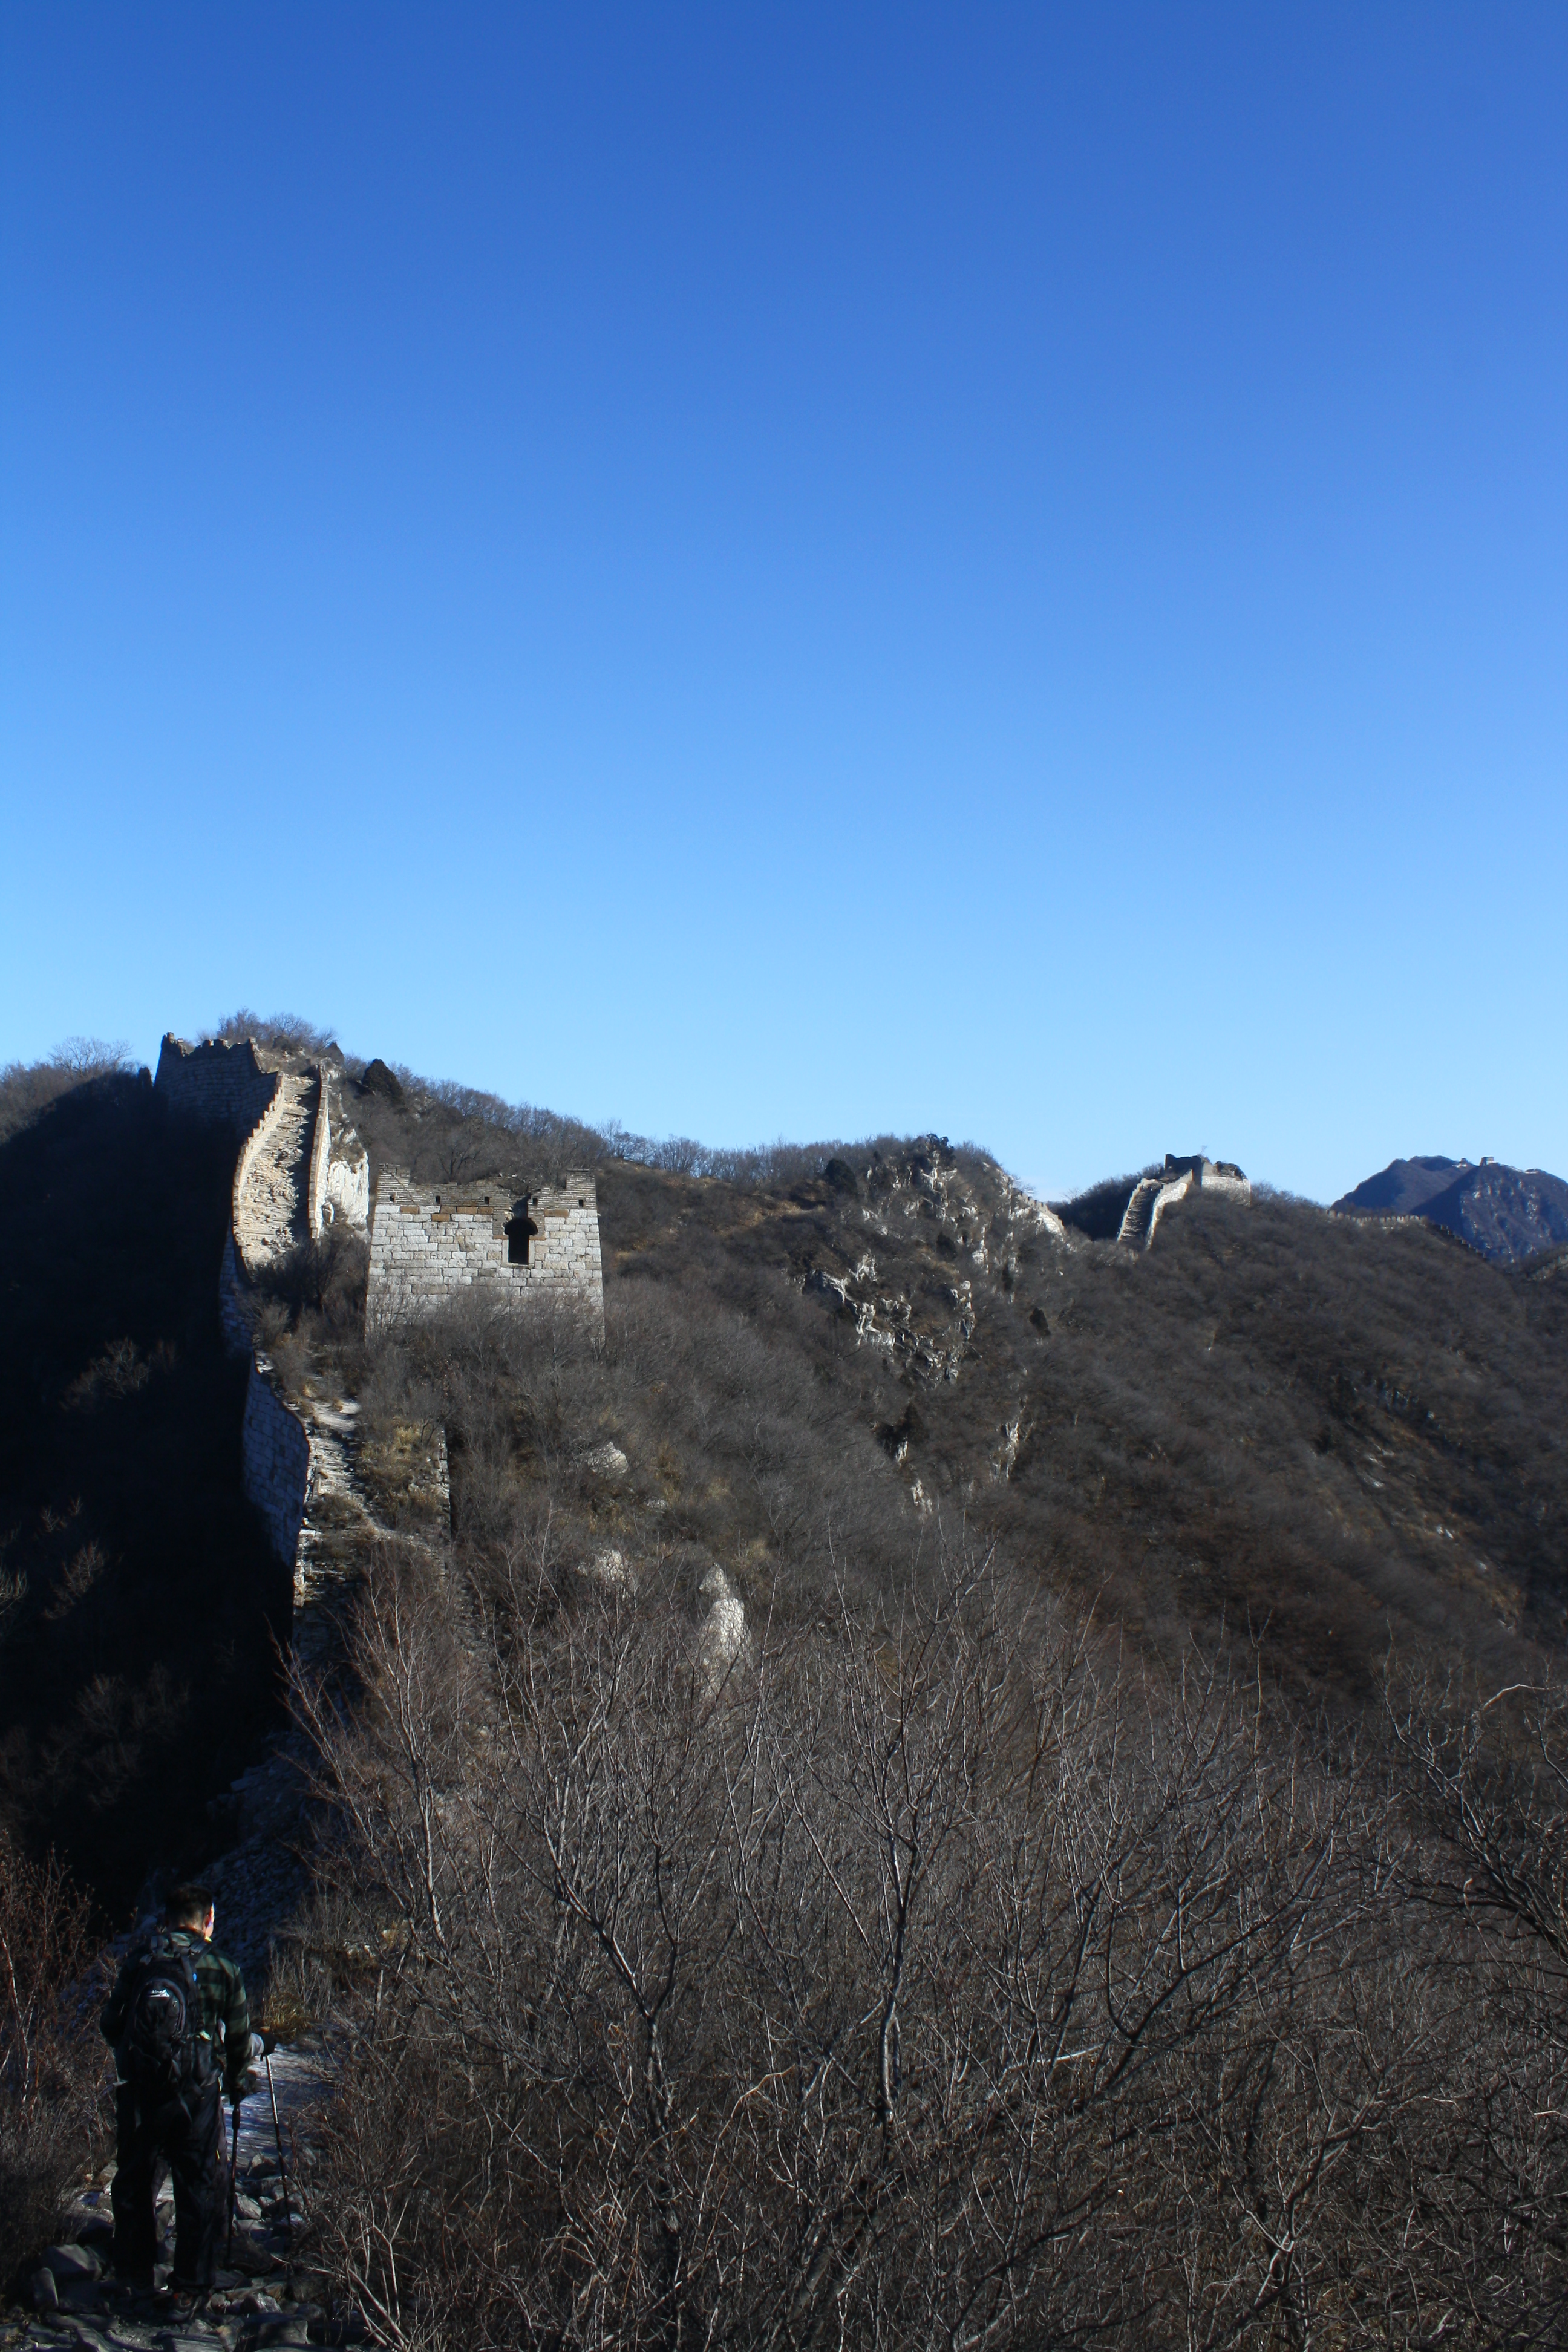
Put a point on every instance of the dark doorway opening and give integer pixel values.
(519, 1233)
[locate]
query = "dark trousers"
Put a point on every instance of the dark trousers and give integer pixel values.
(187, 2138)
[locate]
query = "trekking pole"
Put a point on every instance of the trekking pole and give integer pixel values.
(278, 2135)
(233, 2186)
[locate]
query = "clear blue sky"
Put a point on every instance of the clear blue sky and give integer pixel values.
(800, 571)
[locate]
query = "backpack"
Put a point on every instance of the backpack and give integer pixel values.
(161, 2046)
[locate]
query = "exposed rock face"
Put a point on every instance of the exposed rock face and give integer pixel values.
(608, 1569)
(919, 1201)
(1507, 1213)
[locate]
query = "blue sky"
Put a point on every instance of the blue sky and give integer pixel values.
(763, 571)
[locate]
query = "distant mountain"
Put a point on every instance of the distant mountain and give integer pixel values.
(1507, 1213)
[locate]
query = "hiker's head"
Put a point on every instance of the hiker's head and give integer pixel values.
(190, 1907)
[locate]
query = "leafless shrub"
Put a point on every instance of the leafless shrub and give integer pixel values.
(27, 1088)
(286, 1033)
(1488, 1781)
(51, 2056)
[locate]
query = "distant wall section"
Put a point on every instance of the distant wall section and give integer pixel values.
(426, 1245)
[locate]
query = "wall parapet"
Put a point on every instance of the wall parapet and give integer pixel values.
(245, 1161)
(321, 1147)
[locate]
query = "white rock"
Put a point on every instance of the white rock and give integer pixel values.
(606, 1461)
(723, 1632)
(609, 1569)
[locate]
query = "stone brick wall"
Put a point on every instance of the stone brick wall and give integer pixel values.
(275, 1452)
(255, 1141)
(218, 1082)
(426, 1245)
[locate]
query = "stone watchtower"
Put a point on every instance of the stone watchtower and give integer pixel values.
(428, 1244)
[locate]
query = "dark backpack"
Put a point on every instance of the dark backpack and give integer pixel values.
(161, 2044)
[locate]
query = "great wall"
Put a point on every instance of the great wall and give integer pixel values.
(1153, 1196)
(325, 1498)
(299, 1167)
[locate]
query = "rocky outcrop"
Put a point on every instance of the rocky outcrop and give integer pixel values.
(722, 1635)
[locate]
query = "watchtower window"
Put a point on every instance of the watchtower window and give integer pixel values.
(519, 1233)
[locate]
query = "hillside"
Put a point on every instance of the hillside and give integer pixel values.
(855, 1798)
(821, 1365)
(1333, 1435)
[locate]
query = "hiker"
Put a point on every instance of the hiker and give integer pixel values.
(181, 2032)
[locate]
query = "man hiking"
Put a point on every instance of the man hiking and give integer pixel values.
(181, 2032)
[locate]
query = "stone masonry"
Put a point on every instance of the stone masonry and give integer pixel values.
(425, 1245)
(276, 1453)
(217, 1081)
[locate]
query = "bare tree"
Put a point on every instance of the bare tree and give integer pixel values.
(939, 1982)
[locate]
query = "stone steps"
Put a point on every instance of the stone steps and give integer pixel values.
(1138, 1217)
(272, 1211)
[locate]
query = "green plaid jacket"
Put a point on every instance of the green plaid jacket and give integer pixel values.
(225, 2022)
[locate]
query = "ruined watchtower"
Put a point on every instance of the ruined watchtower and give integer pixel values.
(427, 1243)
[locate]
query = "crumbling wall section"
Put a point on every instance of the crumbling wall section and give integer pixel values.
(427, 1247)
(348, 1192)
(222, 1083)
(345, 1174)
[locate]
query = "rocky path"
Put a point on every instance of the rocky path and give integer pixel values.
(259, 2297)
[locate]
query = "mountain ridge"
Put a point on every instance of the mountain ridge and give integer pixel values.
(1507, 1213)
